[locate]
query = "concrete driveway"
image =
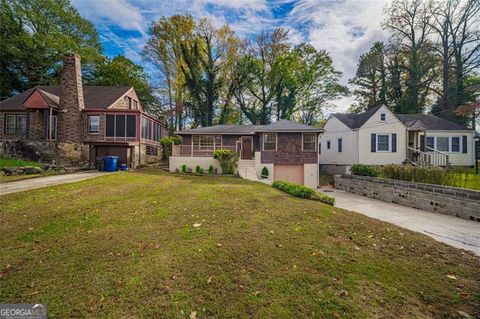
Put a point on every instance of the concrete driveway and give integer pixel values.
(454, 231)
(39, 182)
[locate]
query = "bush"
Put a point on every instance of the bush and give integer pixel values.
(264, 172)
(364, 170)
(303, 192)
(199, 170)
(210, 169)
(228, 160)
(167, 144)
(184, 168)
(436, 176)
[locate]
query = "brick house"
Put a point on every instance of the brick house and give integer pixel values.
(80, 123)
(287, 149)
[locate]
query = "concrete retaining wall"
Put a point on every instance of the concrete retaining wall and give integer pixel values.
(447, 200)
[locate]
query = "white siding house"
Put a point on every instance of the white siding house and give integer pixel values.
(380, 137)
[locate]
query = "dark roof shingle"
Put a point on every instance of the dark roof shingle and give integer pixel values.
(280, 126)
(355, 121)
(431, 122)
(95, 97)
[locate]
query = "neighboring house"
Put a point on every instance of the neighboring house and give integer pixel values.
(80, 123)
(380, 137)
(287, 149)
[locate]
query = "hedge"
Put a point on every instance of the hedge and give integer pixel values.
(364, 170)
(303, 192)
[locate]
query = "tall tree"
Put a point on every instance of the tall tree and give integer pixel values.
(164, 51)
(371, 79)
(34, 36)
(409, 22)
(122, 71)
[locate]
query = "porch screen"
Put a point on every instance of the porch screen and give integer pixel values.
(121, 125)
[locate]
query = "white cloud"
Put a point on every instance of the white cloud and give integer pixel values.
(344, 28)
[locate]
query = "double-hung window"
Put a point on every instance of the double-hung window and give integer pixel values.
(383, 143)
(309, 142)
(93, 124)
(270, 142)
(340, 145)
(442, 144)
(15, 123)
(455, 144)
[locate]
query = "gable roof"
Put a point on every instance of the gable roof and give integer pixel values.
(355, 121)
(280, 126)
(430, 122)
(95, 97)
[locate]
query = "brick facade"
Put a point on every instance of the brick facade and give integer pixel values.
(289, 151)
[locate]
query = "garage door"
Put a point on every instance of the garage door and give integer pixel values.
(289, 173)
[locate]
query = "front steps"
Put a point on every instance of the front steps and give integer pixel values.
(246, 170)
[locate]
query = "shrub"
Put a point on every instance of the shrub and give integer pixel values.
(436, 176)
(210, 169)
(167, 144)
(189, 170)
(364, 170)
(199, 170)
(184, 168)
(228, 160)
(303, 192)
(264, 172)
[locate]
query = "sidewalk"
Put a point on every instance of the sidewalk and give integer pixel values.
(454, 231)
(39, 182)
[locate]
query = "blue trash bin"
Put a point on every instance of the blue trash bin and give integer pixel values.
(111, 163)
(123, 167)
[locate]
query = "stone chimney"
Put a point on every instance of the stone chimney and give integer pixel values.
(70, 122)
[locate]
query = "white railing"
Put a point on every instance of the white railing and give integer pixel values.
(195, 151)
(430, 158)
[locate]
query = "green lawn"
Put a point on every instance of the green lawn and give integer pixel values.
(468, 179)
(126, 245)
(4, 162)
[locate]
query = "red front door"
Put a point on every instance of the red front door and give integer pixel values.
(246, 148)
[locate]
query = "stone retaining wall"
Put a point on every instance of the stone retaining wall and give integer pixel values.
(447, 200)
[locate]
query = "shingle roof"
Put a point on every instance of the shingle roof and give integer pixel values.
(95, 97)
(222, 129)
(280, 126)
(355, 121)
(431, 122)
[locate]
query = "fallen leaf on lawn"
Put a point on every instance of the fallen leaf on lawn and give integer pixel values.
(357, 248)
(174, 277)
(241, 287)
(279, 245)
(193, 315)
(219, 245)
(197, 225)
(369, 236)
(343, 293)
(464, 295)
(34, 293)
(256, 293)
(452, 277)
(209, 280)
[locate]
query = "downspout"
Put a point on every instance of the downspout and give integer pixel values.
(358, 146)
(50, 113)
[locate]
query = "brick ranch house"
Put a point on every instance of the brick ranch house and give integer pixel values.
(287, 149)
(80, 123)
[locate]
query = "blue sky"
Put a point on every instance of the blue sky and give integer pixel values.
(344, 28)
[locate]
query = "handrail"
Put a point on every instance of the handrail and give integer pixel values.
(431, 157)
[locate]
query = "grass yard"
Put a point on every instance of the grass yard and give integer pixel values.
(4, 162)
(151, 244)
(468, 179)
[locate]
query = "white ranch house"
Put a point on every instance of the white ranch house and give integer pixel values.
(380, 137)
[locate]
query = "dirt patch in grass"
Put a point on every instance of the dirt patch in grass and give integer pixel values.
(150, 244)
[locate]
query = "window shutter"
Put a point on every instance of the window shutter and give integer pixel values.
(422, 143)
(394, 143)
(464, 144)
(319, 148)
(374, 143)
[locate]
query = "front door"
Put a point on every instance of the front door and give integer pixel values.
(246, 148)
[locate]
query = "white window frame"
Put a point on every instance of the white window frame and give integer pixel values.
(389, 143)
(450, 143)
(198, 146)
(263, 142)
(89, 127)
(383, 115)
(314, 142)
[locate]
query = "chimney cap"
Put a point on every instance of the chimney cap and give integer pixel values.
(71, 55)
